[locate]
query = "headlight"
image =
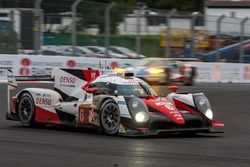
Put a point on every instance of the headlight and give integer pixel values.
(203, 105)
(155, 70)
(141, 117)
(209, 114)
(138, 109)
(119, 69)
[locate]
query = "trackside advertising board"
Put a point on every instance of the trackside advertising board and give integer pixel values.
(222, 72)
(39, 65)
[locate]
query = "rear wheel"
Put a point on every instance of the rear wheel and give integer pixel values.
(26, 109)
(110, 117)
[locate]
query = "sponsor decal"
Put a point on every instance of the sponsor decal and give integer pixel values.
(217, 72)
(67, 80)
(91, 75)
(71, 63)
(25, 62)
(246, 73)
(43, 101)
(40, 71)
(93, 118)
(24, 71)
(130, 81)
(38, 94)
(114, 64)
(46, 64)
(130, 131)
(168, 105)
(6, 63)
(81, 115)
(121, 103)
(46, 95)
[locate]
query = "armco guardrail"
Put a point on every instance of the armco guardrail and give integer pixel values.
(35, 65)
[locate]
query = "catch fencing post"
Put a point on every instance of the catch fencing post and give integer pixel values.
(242, 33)
(192, 27)
(140, 6)
(218, 43)
(107, 27)
(37, 26)
(168, 31)
(73, 25)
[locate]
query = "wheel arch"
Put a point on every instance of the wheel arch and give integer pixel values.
(102, 99)
(105, 99)
(35, 93)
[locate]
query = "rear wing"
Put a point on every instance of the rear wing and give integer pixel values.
(12, 84)
(69, 82)
(7, 76)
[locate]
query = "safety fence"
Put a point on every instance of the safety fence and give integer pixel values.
(151, 32)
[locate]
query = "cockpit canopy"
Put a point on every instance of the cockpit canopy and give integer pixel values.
(117, 85)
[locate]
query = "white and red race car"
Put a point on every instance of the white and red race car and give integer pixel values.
(117, 103)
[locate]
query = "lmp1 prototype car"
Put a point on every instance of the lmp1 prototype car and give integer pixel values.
(116, 103)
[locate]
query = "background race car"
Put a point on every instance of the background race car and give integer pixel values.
(162, 70)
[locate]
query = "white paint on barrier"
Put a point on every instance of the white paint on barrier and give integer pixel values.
(3, 76)
(222, 72)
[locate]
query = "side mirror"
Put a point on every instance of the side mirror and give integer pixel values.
(150, 97)
(116, 93)
(173, 88)
(92, 90)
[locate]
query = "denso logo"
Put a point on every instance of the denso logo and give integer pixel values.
(43, 101)
(70, 80)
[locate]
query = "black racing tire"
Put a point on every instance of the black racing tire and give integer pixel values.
(26, 110)
(110, 117)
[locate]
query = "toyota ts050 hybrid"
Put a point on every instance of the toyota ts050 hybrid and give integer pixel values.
(116, 103)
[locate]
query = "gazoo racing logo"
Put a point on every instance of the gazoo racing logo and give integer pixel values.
(93, 76)
(67, 81)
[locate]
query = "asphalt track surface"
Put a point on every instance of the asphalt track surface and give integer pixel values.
(51, 146)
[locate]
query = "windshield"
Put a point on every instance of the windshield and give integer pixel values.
(141, 90)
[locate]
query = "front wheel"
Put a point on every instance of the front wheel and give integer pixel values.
(110, 117)
(26, 109)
